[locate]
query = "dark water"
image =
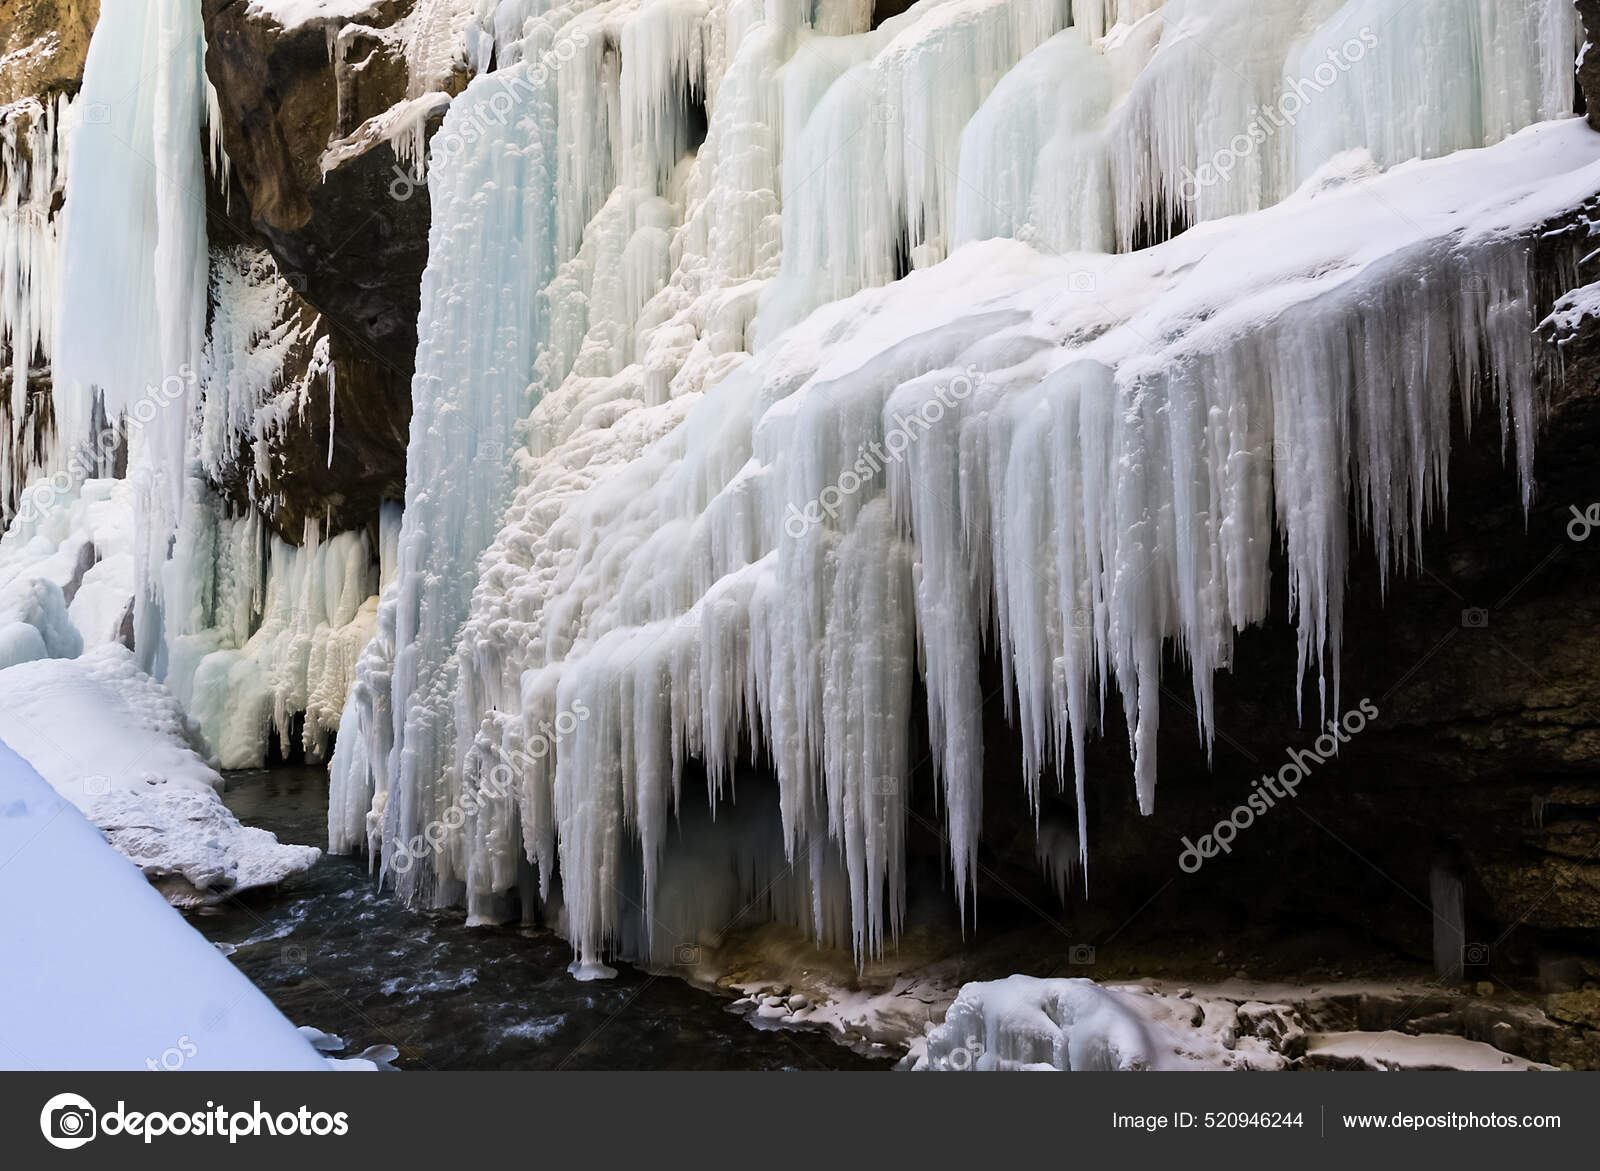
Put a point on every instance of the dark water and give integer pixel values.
(333, 952)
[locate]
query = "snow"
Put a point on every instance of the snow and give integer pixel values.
(1075, 1025)
(114, 978)
(117, 745)
(1398, 1051)
(66, 566)
(291, 14)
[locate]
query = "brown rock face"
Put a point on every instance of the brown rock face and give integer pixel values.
(1589, 67)
(43, 43)
(352, 249)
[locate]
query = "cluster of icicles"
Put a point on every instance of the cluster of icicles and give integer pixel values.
(685, 552)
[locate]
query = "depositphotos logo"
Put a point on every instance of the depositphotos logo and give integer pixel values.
(68, 1121)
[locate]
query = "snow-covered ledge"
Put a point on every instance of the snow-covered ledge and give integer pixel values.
(106, 974)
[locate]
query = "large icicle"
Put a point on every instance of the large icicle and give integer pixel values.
(491, 250)
(133, 268)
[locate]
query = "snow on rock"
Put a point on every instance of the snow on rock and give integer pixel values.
(117, 745)
(114, 978)
(1026, 1023)
(291, 14)
(1074, 1025)
(1390, 1050)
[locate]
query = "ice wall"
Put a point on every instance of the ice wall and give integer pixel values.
(735, 528)
(492, 248)
(33, 153)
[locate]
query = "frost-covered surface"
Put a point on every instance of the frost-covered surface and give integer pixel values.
(737, 440)
(175, 364)
(117, 745)
(291, 14)
(260, 631)
(1084, 458)
(169, 991)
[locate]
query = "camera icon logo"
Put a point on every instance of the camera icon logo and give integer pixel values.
(1475, 618)
(68, 1121)
(1080, 954)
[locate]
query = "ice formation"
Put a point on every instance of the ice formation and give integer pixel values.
(1022, 1023)
(33, 138)
(115, 743)
(170, 363)
(133, 271)
(1076, 457)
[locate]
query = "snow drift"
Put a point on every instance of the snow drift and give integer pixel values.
(169, 991)
(117, 745)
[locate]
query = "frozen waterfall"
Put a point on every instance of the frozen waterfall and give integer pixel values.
(803, 431)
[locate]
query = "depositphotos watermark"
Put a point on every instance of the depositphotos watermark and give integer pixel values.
(879, 454)
(68, 1121)
(1267, 121)
(499, 782)
(1274, 787)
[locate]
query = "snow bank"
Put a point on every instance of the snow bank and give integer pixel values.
(104, 975)
(117, 745)
(1391, 1050)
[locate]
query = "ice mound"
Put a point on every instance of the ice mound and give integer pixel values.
(1026, 1023)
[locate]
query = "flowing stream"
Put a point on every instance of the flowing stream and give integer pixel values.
(335, 952)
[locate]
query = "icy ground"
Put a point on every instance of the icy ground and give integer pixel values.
(1077, 1024)
(113, 978)
(116, 744)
